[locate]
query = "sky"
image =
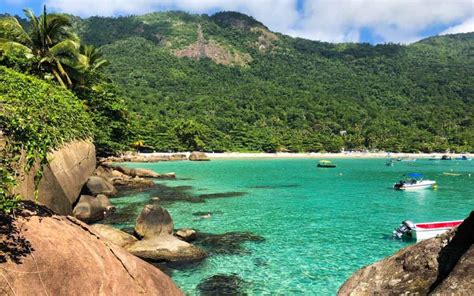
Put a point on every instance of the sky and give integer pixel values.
(372, 21)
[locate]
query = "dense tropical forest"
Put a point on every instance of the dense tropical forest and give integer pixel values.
(176, 81)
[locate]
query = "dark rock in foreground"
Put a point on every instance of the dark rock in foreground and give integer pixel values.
(443, 265)
(222, 284)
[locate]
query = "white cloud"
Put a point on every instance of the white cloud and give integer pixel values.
(465, 27)
(327, 20)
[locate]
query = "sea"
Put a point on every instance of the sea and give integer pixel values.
(287, 227)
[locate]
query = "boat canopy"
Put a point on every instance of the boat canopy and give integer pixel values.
(324, 161)
(414, 175)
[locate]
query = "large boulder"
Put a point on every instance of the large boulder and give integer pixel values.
(155, 227)
(115, 236)
(154, 221)
(45, 254)
(443, 265)
(63, 178)
(198, 156)
(92, 208)
(98, 185)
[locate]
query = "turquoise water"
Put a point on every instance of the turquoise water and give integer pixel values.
(319, 225)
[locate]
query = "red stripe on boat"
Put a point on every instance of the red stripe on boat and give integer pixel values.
(435, 225)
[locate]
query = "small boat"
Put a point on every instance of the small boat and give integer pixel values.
(421, 231)
(326, 164)
(406, 159)
(451, 174)
(463, 157)
(414, 181)
(446, 157)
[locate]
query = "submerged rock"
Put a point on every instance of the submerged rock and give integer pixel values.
(198, 156)
(46, 254)
(443, 265)
(155, 226)
(222, 195)
(222, 284)
(92, 208)
(230, 243)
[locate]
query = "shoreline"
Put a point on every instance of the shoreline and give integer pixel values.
(315, 155)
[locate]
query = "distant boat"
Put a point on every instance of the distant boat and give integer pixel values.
(445, 157)
(422, 231)
(463, 157)
(414, 181)
(406, 159)
(451, 174)
(326, 164)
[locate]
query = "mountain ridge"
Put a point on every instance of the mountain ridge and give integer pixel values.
(227, 83)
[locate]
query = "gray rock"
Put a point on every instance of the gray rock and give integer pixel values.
(186, 234)
(97, 185)
(198, 156)
(115, 236)
(90, 208)
(155, 226)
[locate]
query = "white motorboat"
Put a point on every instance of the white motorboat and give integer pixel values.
(422, 231)
(414, 181)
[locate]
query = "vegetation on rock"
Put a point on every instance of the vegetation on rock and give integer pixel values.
(35, 117)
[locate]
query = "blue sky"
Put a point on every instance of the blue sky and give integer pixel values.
(373, 21)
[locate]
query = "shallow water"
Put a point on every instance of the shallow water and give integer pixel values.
(319, 225)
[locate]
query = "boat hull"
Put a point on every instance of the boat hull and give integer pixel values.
(424, 231)
(418, 186)
(330, 166)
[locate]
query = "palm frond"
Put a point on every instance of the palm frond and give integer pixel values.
(10, 28)
(9, 46)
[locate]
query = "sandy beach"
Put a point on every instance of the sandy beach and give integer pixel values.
(228, 155)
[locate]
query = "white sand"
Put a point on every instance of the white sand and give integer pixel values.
(316, 155)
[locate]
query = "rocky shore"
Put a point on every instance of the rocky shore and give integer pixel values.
(47, 247)
(443, 265)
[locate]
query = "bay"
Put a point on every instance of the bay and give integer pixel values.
(318, 226)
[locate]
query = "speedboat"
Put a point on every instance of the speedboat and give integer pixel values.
(414, 181)
(446, 157)
(326, 164)
(463, 157)
(421, 231)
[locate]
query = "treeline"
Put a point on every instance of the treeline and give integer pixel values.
(292, 95)
(295, 95)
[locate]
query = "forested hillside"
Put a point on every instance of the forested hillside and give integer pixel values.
(225, 82)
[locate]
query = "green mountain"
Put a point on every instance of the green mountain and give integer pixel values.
(226, 82)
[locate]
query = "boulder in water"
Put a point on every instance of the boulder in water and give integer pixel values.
(115, 236)
(155, 227)
(198, 156)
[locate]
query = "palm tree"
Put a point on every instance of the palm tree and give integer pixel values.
(91, 58)
(49, 41)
